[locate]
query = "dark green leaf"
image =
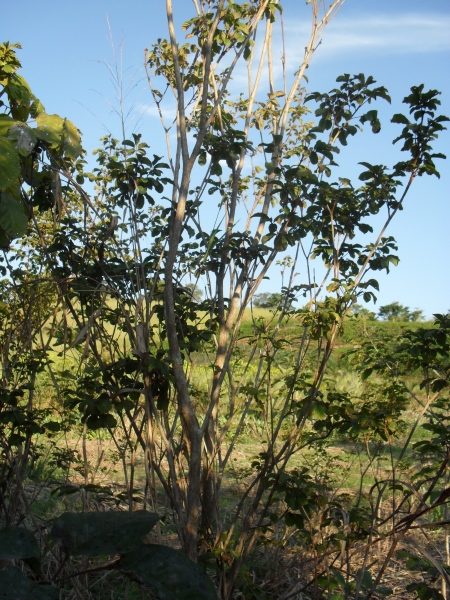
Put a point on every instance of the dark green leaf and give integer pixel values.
(99, 421)
(14, 585)
(216, 169)
(399, 118)
(384, 591)
(53, 426)
(9, 163)
(12, 216)
(169, 573)
(17, 542)
(101, 533)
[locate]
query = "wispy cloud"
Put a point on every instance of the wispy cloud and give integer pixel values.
(393, 34)
(168, 111)
(371, 35)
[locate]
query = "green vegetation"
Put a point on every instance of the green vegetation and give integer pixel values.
(397, 312)
(161, 442)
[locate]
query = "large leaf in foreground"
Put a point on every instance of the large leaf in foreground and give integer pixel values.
(12, 216)
(50, 129)
(100, 533)
(169, 573)
(9, 163)
(5, 124)
(17, 542)
(59, 133)
(71, 140)
(14, 585)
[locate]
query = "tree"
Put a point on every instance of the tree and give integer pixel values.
(267, 300)
(416, 315)
(361, 311)
(398, 312)
(31, 158)
(194, 291)
(122, 258)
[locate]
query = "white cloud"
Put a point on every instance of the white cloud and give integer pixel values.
(394, 34)
(376, 35)
(370, 35)
(168, 111)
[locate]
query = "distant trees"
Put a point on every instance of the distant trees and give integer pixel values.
(397, 312)
(194, 291)
(269, 300)
(389, 312)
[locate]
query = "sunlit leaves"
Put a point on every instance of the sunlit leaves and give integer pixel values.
(19, 95)
(232, 32)
(5, 123)
(21, 144)
(128, 173)
(9, 63)
(342, 105)
(60, 134)
(418, 135)
(70, 140)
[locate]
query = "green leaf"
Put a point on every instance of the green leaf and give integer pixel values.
(384, 591)
(102, 533)
(216, 169)
(306, 175)
(276, 95)
(19, 94)
(53, 426)
(9, 163)
(366, 578)
(281, 243)
(169, 573)
(19, 90)
(267, 238)
(399, 118)
(13, 219)
(5, 124)
(50, 129)
(36, 107)
(438, 385)
(99, 421)
(425, 592)
(71, 140)
(17, 542)
(14, 585)
(65, 490)
(5, 240)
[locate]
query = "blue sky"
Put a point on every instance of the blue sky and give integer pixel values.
(401, 43)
